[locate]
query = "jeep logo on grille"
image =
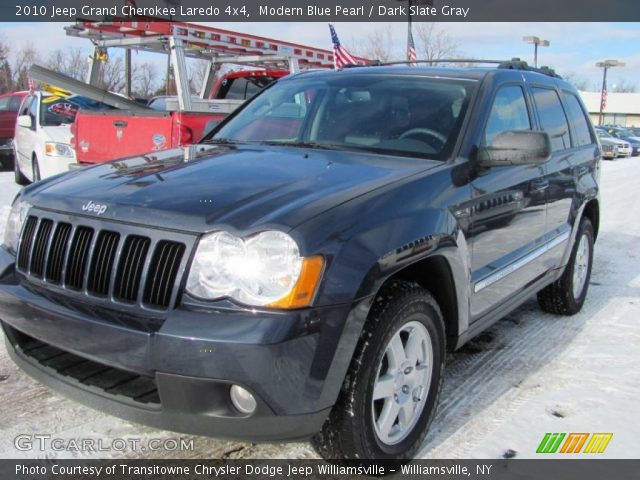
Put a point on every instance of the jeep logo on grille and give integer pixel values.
(94, 207)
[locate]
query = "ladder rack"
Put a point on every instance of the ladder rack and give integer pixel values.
(198, 41)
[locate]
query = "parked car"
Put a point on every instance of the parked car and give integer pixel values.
(303, 270)
(627, 136)
(42, 143)
(635, 131)
(624, 147)
(9, 106)
(609, 149)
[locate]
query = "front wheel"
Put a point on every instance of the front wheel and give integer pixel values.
(391, 391)
(567, 295)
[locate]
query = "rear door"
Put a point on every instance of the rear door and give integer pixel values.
(571, 170)
(508, 211)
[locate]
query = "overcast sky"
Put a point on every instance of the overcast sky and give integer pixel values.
(575, 47)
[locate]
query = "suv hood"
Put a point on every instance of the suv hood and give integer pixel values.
(203, 187)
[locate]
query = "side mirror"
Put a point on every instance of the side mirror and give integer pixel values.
(25, 121)
(516, 147)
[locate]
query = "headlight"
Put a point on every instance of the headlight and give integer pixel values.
(263, 270)
(55, 149)
(17, 216)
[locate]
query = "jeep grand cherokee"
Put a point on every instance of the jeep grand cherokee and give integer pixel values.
(302, 271)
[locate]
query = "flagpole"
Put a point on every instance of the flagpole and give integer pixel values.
(409, 30)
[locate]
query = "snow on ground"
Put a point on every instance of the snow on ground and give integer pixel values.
(530, 374)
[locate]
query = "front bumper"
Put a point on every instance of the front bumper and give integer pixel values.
(289, 361)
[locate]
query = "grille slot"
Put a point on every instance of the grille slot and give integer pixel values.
(162, 273)
(78, 254)
(27, 242)
(39, 252)
(113, 381)
(104, 254)
(55, 264)
(132, 258)
(108, 264)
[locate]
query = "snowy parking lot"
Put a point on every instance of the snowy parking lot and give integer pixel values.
(529, 374)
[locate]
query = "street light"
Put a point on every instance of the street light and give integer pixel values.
(606, 65)
(537, 42)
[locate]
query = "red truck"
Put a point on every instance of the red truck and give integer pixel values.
(9, 106)
(100, 136)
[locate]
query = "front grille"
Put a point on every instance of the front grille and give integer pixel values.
(112, 381)
(103, 263)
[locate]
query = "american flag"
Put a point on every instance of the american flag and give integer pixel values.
(603, 98)
(341, 56)
(411, 50)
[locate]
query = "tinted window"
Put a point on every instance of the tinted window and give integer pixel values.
(412, 116)
(578, 119)
(552, 118)
(243, 88)
(159, 104)
(10, 104)
(509, 112)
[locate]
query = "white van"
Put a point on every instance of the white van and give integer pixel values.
(42, 144)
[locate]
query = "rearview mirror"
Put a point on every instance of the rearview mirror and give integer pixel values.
(25, 121)
(516, 147)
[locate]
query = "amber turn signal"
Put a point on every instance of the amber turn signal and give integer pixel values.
(302, 293)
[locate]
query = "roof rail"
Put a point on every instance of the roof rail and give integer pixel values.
(513, 64)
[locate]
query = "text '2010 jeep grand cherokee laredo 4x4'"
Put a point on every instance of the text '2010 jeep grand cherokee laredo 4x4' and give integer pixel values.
(301, 272)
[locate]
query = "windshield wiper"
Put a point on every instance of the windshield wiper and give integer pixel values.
(222, 141)
(322, 146)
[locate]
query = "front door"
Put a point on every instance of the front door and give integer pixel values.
(508, 212)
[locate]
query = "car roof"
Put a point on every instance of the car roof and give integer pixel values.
(466, 73)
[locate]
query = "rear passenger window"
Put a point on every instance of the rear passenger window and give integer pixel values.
(509, 112)
(578, 119)
(552, 118)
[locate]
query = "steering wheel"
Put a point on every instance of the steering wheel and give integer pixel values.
(425, 131)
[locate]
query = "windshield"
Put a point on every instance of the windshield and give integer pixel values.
(602, 133)
(404, 115)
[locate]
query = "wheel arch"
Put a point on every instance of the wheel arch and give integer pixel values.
(592, 212)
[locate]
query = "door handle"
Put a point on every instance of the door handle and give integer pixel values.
(539, 185)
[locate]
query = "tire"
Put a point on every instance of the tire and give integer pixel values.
(401, 311)
(35, 167)
(561, 297)
(19, 176)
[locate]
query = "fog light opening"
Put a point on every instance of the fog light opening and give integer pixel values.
(243, 400)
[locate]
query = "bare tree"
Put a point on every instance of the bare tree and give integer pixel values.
(145, 80)
(6, 79)
(433, 42)
(70, 61)
(623, 86)
(581, 83)
(377, 45)
(113, 75)
(197, 72)
(25, 57)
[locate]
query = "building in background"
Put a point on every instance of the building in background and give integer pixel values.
(621, 108)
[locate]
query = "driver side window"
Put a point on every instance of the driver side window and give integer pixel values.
(509, 112)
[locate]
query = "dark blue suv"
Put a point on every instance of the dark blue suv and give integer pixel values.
(303, 270)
